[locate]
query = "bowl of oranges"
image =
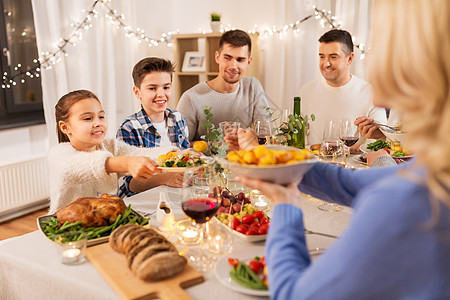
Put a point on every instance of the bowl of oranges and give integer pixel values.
(273, 163)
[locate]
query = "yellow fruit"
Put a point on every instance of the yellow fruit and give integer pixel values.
(200, 146)
(249, 158)
(267, 159)
(260, 151)
(170, 155)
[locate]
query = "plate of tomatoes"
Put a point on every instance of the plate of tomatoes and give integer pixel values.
(246, 274)
(250, 225)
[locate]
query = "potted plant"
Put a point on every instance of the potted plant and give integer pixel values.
(215, 22)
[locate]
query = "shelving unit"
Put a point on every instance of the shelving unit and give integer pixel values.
(208, 44)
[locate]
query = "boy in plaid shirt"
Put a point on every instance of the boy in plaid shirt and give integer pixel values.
(154, 125)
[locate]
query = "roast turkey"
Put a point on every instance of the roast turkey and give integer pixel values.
(92, 212)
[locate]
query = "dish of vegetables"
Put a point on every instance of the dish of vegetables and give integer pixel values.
(395, 150)
(48, 225)
(243, 274)
(172, 162)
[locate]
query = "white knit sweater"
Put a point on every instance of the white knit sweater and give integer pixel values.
(75, 174)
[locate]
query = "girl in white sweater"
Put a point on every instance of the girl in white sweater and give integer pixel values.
(84, 163)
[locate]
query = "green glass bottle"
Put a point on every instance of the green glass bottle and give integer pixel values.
(298, 139)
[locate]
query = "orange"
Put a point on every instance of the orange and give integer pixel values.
(200, 146)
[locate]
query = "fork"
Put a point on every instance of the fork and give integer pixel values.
(320, 233)
(392, 128)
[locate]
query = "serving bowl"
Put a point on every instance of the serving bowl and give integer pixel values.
(280, 173)
(400, 137)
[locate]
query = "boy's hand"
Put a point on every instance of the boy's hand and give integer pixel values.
(142, 168)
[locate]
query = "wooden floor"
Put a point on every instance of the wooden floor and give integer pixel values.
(21, 225)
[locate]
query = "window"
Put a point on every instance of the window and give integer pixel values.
(21, 104)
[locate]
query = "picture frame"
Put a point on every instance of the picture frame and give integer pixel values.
(193, 62)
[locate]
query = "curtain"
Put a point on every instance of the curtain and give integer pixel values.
(97, 63)
(103, 60)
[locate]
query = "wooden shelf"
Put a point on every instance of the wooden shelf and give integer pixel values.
(208, 44)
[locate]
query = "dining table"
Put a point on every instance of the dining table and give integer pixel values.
(31, 269)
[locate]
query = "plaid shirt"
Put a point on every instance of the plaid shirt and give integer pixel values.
(138, 130)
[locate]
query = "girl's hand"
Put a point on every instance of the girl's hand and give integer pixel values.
(142, 168)
(277, 193)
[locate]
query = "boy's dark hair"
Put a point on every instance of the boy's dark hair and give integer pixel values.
(236, 38)
(341, 36)
(62, 109)
(151, 64)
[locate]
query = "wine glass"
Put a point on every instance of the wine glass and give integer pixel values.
(349, 134)
(264, 131)
(200, 204)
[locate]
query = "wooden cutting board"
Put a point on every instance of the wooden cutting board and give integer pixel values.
(113, 267)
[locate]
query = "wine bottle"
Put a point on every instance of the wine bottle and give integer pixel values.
(299, 137)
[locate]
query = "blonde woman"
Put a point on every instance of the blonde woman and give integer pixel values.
(397, 245)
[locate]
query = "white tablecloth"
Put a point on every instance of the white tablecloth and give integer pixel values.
(31, 269)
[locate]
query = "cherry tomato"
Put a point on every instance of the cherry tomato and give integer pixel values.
(235, 222)
(251, 231)
(263, 260)
(263, 229)
(387, 150)
(258, 214)
(255, 225)
(256, 266)
(233, 261)
(242, 228)
(264, 220)
(248, 219)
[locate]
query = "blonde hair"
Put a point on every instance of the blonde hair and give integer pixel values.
(409, 68)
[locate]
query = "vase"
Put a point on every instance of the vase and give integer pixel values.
(216, 26)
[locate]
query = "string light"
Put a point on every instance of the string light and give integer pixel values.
(48, 59)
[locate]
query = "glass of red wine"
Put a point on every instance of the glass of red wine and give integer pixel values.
(264, 131)
(348, 134)
(200, 204)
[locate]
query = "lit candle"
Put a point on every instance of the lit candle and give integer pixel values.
(260, 205)
(189, 235)
(71, 255)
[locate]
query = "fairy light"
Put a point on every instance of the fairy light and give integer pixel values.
(48, 59)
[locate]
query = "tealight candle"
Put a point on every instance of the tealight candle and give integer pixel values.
(187, 232)
(71, 255)
(71, 247)
(260, 205)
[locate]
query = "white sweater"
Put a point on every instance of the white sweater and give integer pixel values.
(326, 102)
(74, 174)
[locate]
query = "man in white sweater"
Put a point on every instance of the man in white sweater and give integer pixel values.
(338, 94)
(231, 96)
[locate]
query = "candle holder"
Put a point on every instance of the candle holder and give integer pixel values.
(188, 233)
(220, 239)
(71, 247)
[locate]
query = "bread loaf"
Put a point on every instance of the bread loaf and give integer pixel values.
(149, 254)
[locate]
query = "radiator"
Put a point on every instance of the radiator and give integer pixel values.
(23, 187)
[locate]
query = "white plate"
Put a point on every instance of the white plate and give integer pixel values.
(208, 160)
(280, 174)
(364, 149)
(357, 159)
(222, 273)
(247, 238)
